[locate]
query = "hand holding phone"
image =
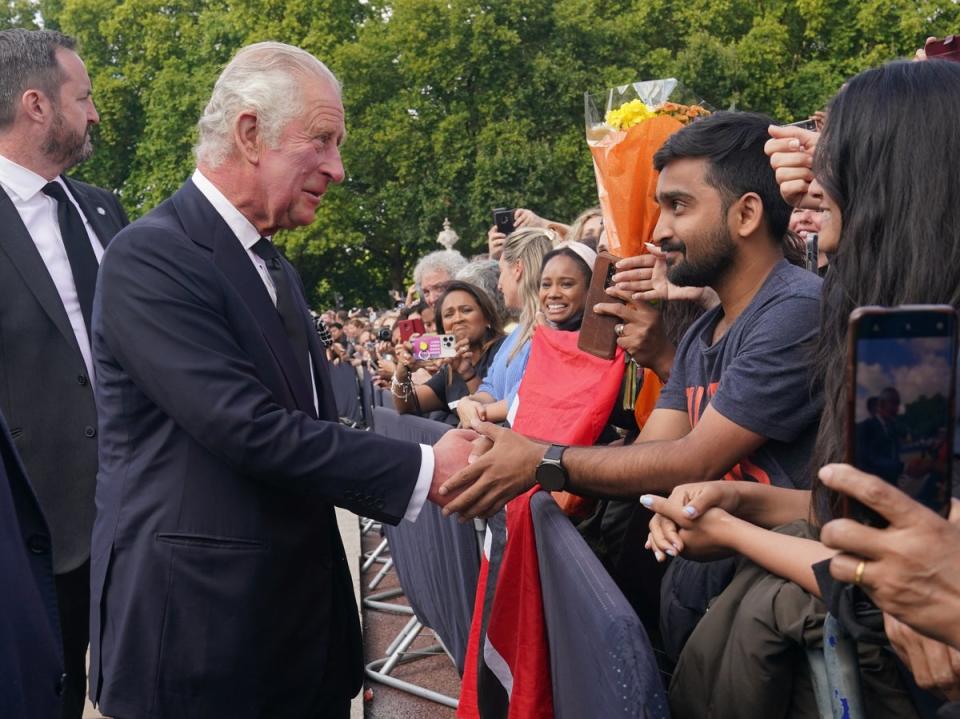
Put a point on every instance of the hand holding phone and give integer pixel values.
(431, 347)
(503, 220)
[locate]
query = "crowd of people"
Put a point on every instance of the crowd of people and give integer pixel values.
(209, 426)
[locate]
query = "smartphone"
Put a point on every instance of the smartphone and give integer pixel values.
(408, 328)
(901, 397)
(946, 49)
(503, 220)
(597, 332)
(812, 244)
(429, 347)
(809, 124)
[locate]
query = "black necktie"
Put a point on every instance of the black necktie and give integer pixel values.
(293, 320)
(83, 262)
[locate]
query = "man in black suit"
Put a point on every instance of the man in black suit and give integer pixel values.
(220, 587)
(31, 662)
(52, 232)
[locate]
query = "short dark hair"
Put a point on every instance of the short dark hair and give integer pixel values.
(483, 302)
(28, 58)
(732, 143)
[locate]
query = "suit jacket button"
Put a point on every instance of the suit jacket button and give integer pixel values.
(82, 380)
(38, 543)
(89, 431)
(61, 684)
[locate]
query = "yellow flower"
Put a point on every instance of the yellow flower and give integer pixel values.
(629, 114)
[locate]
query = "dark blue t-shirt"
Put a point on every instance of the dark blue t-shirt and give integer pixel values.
(758, 375)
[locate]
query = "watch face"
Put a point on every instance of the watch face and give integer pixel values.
(551, 477)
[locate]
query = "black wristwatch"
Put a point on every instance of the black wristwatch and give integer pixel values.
(550, 472)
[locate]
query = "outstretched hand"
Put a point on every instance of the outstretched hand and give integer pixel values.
(450, 453)
(492, 479)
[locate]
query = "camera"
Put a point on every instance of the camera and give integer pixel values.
(384, 334)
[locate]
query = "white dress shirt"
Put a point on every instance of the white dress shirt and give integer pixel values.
(39, 214)
(249, 236)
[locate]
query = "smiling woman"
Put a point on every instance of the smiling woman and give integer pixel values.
(564, 281)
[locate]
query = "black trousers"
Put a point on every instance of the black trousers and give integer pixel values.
(73, 600)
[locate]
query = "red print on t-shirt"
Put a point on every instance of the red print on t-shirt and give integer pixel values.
(745, 470)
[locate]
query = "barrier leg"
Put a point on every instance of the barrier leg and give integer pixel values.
(387, 566)
(376, 602)
(374, 556)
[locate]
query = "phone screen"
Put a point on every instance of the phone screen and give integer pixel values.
(903, 408)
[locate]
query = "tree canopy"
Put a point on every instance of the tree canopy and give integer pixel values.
(453, 107)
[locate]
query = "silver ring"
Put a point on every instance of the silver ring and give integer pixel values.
(618, 329)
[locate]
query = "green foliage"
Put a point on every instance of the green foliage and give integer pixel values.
(457, 107)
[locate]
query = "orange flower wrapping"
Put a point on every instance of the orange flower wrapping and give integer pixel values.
(627, 182)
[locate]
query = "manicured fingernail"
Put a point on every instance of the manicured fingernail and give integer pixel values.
(690, 511)
(659, 555)
(646, 500)
(672, 552)
(650, 246)
(676, 546)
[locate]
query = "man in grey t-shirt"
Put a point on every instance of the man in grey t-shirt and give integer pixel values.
(738, 403)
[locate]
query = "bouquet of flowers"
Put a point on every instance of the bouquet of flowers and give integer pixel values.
(636, 121)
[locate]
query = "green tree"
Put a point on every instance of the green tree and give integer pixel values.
(454, 108)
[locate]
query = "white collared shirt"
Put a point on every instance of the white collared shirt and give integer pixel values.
(249, 236)
(39, 214)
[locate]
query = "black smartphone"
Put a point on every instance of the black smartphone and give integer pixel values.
(812, 245)
(503, 220)
(809, 124)
(901, 401)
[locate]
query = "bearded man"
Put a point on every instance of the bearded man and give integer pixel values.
(52, 234)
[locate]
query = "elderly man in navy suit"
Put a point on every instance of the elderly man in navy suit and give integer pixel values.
(220, 585)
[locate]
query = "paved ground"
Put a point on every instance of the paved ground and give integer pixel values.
(436, 673)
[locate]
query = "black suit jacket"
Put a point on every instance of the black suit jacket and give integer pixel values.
(31, 662)
(219, 583)
(44, 389)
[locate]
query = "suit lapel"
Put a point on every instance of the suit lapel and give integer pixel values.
(16, 242)
(204, 225)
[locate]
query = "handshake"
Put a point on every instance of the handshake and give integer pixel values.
(477, 471)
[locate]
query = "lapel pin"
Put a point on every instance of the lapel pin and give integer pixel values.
(101, 211)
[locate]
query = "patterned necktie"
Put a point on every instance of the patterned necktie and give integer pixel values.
(293, 320)
(76, 241)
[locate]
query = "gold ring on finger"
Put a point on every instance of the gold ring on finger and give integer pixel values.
(858, 574)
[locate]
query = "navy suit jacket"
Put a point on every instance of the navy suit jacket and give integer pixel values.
(31, 661)
(219, 582)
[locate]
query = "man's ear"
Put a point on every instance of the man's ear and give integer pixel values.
(36, 106)
(246, 136)
(747, 214)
